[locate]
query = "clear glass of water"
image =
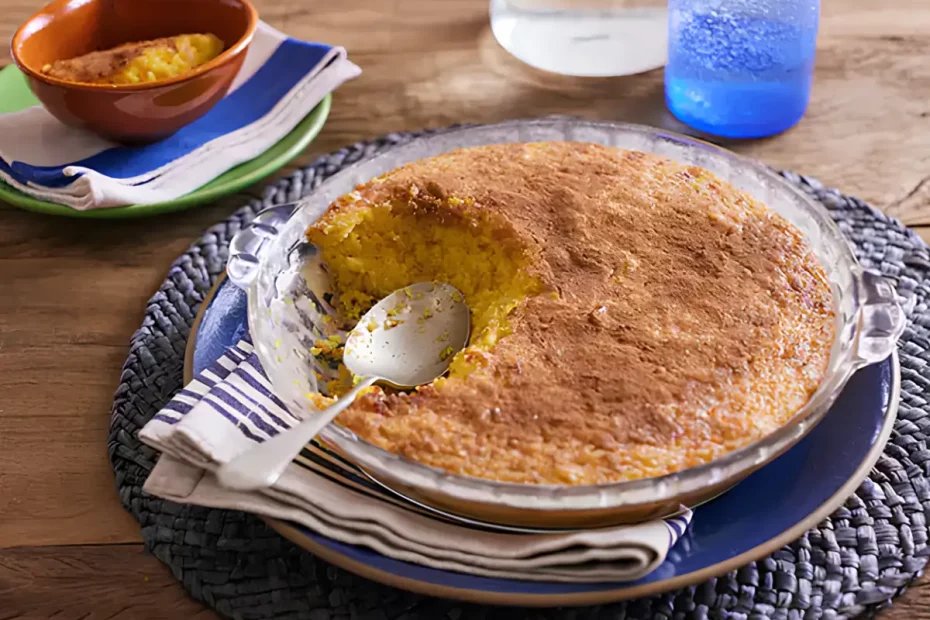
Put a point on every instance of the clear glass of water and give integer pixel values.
(588, 38)
(740, 68)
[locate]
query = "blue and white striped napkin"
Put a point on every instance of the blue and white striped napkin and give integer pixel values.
(280, 82)
(229, 407)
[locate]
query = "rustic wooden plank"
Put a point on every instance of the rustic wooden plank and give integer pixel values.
(73, 293)
(112, 582)
(57, 482)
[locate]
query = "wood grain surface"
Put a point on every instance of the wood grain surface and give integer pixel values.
(72, 292)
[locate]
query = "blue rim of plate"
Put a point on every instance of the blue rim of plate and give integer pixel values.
(769, 509)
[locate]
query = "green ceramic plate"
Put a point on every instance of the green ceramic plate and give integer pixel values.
(15, 95)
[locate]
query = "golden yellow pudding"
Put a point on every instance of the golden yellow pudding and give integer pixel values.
(631, 316)
(140, 62)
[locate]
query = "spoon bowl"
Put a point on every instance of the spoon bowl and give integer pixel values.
(407, 339)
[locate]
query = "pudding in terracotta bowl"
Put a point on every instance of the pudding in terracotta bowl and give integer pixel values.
(133, 71)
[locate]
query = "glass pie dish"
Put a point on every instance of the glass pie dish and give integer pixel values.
(272, 261)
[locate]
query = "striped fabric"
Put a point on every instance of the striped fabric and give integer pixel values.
(230, 406)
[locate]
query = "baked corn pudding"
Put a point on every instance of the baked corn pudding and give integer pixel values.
(631, 316)
(140, 62)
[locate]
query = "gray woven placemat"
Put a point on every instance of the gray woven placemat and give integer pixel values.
(853, 563)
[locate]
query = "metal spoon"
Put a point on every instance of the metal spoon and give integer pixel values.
(407, 339)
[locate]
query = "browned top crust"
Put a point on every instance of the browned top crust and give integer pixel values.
(689, 320)
(96, 66)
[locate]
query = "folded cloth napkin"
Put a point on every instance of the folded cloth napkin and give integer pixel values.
(280, 82)
(229, 407)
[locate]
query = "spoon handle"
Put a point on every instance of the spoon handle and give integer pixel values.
(261, 466)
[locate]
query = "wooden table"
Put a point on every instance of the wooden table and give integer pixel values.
(72, 292)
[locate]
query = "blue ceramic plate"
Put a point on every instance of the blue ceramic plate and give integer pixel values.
(769, 509)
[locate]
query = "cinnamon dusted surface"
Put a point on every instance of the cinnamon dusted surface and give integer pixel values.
(141, 61)
(682, 320)
(97, 66)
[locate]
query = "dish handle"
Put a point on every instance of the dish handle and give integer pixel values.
(245, 249)
(882, 317)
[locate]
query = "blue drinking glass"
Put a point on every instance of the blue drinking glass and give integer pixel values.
(740, 68)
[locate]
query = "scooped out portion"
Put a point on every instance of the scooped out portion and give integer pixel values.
(371, 250)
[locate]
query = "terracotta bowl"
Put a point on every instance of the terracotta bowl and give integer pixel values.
(138, 112)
